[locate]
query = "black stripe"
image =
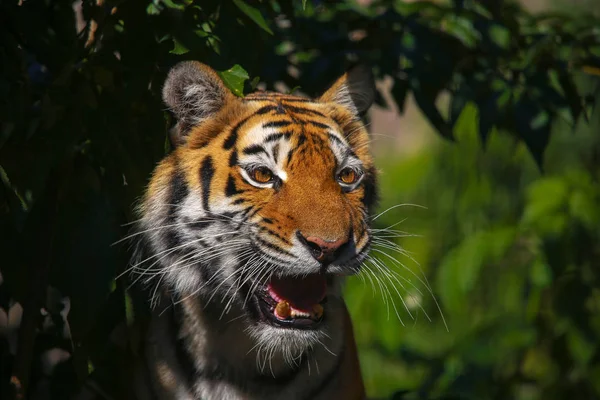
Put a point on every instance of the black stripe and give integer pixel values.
(265, 109)
(370, 196)
(272, 96)
(296, 100)
(233, 159)
(199, 224)
(301, 139)
(275, 234)
(339, 121)
(318, 124)
(275, 151)
(182, 354)
(277, 124)
(254, 149)
(238, 201)
(273, 247)
(273, 137)
(252, 212)
(350, 153)
(179, 192)
(246, 210)
(172, 238)
(336, 139)
(302, 110)
(231, 139)
(267, 220)
(230, 142)
(230, 188)
(206, 174)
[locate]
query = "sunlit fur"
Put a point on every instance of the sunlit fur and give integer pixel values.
(210, 236)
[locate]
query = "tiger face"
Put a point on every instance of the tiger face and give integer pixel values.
(263, 206)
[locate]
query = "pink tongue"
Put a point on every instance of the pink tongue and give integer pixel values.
(301, 293)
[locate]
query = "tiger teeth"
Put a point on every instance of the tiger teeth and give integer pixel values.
(283, 310)
(299, 314)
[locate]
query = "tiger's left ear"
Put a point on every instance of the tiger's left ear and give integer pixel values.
(355, 90)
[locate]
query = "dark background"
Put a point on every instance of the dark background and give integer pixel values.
(496, 298)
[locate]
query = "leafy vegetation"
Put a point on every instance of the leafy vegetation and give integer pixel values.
(511, 255)
(509, 252)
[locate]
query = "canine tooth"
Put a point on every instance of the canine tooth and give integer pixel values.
(283, 309)
(317, 310)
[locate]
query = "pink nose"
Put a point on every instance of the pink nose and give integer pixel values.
(323, 250)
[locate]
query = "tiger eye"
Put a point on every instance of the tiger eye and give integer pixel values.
(262, 175)
(348, 176)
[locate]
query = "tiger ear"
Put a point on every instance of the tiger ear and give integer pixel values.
(354, 90)
(194, 92)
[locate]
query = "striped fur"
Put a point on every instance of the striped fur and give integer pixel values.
(210, 236)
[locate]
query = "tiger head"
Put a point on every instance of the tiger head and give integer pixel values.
(264, 204)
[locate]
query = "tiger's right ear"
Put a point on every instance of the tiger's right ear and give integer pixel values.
(194, 92)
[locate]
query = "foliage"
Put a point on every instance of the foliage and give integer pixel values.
(82, 122)
(512, 255)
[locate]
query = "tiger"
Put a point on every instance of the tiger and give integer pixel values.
(247, 230)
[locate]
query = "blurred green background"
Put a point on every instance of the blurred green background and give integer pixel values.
(483, 282)
(512, 257)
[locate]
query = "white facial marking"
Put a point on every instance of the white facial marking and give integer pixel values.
(282, 175)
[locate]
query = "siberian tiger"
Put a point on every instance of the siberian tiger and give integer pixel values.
(247, 230)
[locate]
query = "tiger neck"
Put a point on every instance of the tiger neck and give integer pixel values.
(202, 347)
(192, 356)
(206, 343)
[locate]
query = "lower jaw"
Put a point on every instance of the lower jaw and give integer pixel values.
(264, 314)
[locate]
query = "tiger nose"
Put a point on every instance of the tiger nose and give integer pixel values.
(323, 251)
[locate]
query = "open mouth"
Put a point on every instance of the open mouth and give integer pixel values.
(293, 302)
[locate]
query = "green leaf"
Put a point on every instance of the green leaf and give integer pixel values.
(173, 5)
(584, 207)
(463, 30)
(540, 273)
(304, 4)
(234, 78)
(254, 82)
(460, 269)
(152, 9)
(500, 35)
(581, 348)
(546, 206)
(178, 48)
(253, 14)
